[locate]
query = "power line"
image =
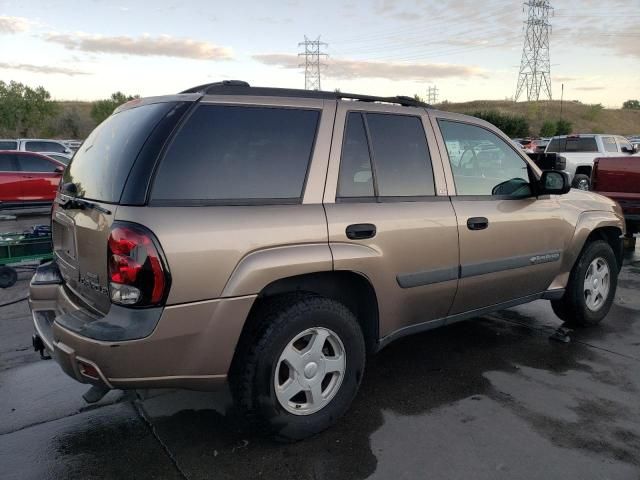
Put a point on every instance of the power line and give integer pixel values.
(535, 67)
(312, 62)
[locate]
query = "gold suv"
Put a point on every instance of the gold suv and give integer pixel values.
(274, 238)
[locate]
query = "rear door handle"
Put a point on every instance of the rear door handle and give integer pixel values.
(477, 223)
(360, 231)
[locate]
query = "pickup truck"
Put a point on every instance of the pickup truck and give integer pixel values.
(580, 151)
(619, 179)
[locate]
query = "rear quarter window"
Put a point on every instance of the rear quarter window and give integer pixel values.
(8, 145)
(237, 155)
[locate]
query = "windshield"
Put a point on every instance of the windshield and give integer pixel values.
(100, 167)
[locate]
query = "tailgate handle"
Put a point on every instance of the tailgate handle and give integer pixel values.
(477, 223)
(360, 231)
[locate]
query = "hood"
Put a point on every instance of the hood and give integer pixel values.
(583, 200)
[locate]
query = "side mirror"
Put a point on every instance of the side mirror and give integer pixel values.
(549, 161)
(59, 169)
(633, 149)
(554, 183)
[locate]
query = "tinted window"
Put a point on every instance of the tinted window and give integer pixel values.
(60, 158)
(6, 163)
(5, 145)
(356, 179)
(227, 153)
(101, 166)
(482, 163)
(43, 146)
(400, 155)
(573, 144)
(31, 163)
(609, 144)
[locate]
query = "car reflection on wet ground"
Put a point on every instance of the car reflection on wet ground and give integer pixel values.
(489, 398)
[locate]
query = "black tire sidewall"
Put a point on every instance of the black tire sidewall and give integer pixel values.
(579, 177)
(285, 425)
(583, 314)
(8, 277)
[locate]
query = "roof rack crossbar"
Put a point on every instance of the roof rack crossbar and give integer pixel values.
(239, 87)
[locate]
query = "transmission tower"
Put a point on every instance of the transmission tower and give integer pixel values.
(312, 62)
(432, 95)
(535, 68)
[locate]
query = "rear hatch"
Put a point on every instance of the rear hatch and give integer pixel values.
(91, 189)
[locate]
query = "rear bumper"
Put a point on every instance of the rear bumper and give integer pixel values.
(191, 346)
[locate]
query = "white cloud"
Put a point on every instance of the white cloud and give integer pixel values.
(14, 24)
(46, 69)
(345, 69)
(146, 45)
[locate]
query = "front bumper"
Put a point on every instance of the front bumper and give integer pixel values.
(191, 346)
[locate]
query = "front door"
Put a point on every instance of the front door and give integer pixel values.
(389, 216)
(511, 242)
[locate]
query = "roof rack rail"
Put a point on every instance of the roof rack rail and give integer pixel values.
(239, 87)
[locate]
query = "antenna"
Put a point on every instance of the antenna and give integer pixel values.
(535, 66)
(312, 62)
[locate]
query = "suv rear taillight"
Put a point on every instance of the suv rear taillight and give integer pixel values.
(138, 276)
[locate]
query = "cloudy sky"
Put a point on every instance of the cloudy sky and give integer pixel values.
(470, 49)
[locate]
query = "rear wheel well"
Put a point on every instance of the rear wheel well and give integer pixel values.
(611, 235)
(349, 288)
(584, 170)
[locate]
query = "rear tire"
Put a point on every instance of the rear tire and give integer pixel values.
(591, 287)
(581, 182)
(8, 277)
(279, 393)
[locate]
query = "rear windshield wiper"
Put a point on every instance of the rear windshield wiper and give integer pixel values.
(81, 203)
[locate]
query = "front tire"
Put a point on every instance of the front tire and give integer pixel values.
(591, 287)
(300, 370)
(581, 182)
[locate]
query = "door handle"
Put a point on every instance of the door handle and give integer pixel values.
(477, 223)
(360, 231)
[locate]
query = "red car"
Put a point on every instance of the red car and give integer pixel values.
(28, 178)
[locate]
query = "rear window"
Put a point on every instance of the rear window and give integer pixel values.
(236, 155)
(573, 144)
(100, 167)
(5, 145)
(43, 146)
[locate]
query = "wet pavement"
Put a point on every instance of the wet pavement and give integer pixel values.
(490, 398)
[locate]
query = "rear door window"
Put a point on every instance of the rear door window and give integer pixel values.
(237, 155)
(8, 145)
(32, 163)
(356, 177)
(7, 163)
(100, 167)
(573, 144)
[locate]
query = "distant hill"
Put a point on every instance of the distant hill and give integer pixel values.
(584, 118)
(74, 118)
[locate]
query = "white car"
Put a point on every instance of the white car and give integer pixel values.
(61, 157)
(581, 150)
(35, 145)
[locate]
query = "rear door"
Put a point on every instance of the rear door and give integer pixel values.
(40, 178)
(389, 215)
(10, 179)
(511, 242)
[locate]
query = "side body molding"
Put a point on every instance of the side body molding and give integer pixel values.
(258, 269)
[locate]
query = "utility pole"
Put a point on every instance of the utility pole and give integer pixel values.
(312, 62)
(432, 95)
(534, 78)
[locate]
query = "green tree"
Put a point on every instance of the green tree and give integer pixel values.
(548, 129)
(24, 110)
(512, 125)
(631, 105)
(563, 127)
(101, 109)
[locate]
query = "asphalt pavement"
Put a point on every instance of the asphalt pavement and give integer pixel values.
(489, 398)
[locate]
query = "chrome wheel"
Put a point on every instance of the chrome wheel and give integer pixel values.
(582, 184)
(596, 284)
(309, 371)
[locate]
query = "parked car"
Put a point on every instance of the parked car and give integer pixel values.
(581, 150)
(34, 145)
(28, 179)
(619, 178)
(60, 157)
(274, 237)
(74, 145)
